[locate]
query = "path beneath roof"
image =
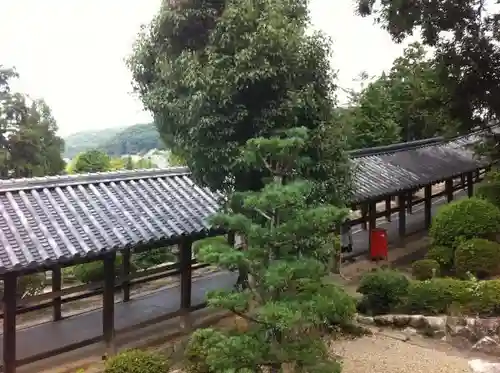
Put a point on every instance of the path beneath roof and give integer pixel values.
(50, 336)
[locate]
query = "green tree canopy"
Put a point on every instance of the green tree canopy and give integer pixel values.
(29, 145)
(410, 102)
(91, 161)
(465, 36)
(218, 73)
(289, 300)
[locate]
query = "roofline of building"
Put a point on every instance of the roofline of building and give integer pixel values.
(395, 147)
(10, 185)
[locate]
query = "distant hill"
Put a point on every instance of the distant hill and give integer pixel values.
(135, 139)
(139, 138)
(85, 140)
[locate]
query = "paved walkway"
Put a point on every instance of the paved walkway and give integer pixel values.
(43, 338)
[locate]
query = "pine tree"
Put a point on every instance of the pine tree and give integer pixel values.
(289, 249)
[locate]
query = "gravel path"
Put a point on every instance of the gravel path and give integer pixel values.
(381, 354)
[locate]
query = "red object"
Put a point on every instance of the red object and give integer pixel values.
(378, 244)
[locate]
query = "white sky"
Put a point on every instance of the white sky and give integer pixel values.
(72, 52)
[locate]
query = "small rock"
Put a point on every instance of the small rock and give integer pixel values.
(482, 366)
(400, 321)
(409, 331)
(488, 345)
(365, 320)
(417, 321)
(384, 320)
(435, 323)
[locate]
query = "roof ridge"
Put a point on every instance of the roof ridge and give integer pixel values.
(395, 148)
(89, 178)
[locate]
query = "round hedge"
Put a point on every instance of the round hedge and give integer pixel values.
(425, 269)
(478, 256)
(196, 352)
(443, 255)
(464, 219)
(382, 291)
(489, 191)
(137, 361)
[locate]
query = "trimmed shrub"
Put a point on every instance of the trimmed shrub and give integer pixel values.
(382, 291)
(478, 256)
(195, 354)
(94, 271)
(436, 296)
(425, 269)
(485, 298)
(464, 219)
(150, 258)
(137, 361)
(443, 255)
(489, 191)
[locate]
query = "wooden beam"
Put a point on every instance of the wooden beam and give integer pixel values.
(470, 184)
(428, 206)
(409, 199)
(388, 207)
(364, 213)
(126, 275)
(108, 304)
(9, 322)
(449, 190)
(56, 286)
(402, 215)
(185, 260)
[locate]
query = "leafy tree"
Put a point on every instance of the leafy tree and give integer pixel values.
(218, 73)
(135, 139)
(465, 36)
(29, 145)
(91, 161)
(289, 300)
(408, 103)
(116, 164)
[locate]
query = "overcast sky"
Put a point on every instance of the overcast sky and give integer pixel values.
(71, 53)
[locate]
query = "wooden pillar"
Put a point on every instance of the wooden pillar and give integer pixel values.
(470, 184)
(364, 215)
(125, 275)
(462, 181)
(428, 206)
(409, 202)
(372, 221)
(56, 286)
(108, 304)
(477, 175)
(231, 239)
(388, 207)
(449, 190)
(9, 322)
(185, 262)
(402, 215)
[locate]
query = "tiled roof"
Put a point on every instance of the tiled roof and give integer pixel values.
(384, 171)
(46, 220)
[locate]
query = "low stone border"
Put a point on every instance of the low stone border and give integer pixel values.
(479, 334)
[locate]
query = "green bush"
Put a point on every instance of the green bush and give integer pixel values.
(485, 298)
(196, 352)
(150, 258)
(436, 296)
(478, 256)
(382, 291)
(464, 219)
(443, 255)
(425, 269)
(489, 191)
(137, 361)
(94, 271)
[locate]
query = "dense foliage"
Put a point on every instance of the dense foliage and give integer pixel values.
(216, 74)
(382, 291)
(288, 299)
(465, 36)
(425, 269)
(137, 361)
(90, 161)
(407, 103)
(80, 142)
(464, 219)
(94, 271)
(29, 145)
(479, 257)
(489, 188)
(444, 255)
